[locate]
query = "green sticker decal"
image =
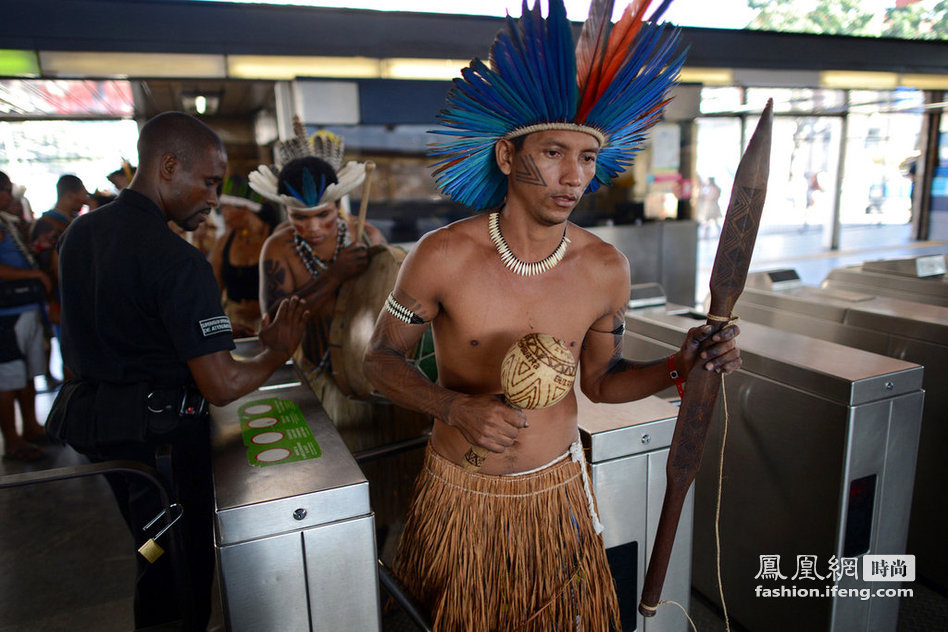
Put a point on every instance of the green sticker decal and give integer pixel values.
(275, 431)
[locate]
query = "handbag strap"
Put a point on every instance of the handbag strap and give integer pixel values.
(14, 233)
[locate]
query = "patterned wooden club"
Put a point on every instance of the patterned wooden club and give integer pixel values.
(735, 247)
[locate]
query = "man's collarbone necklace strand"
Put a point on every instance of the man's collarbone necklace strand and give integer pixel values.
(510, 259)
(314, 265)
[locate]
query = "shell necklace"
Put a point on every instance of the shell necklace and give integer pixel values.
(314, 265)
(510, 259)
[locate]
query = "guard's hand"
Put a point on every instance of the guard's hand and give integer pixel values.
(352, 261)
(486, 421)
(717, 352)
(286, 330)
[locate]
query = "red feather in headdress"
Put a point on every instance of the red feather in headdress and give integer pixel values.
(598, 59)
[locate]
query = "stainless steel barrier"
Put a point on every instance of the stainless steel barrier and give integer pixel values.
(819, 464)
(921, 279)
(295, 533)
(627, 447)
(916, 332)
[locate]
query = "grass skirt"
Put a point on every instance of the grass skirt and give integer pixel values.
(491, 553)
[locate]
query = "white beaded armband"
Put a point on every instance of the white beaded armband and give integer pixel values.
(401, 312)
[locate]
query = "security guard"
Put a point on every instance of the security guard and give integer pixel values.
(146, 337)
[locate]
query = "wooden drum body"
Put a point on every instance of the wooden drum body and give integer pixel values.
(357, 307)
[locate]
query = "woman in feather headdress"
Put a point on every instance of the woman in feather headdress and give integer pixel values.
(314, 253)
(517, 544)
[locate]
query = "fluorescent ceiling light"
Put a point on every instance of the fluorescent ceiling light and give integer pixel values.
(859, 80)
(122, 65)
(924, 82)
(707, 76)
(18, 63)
(404, 68)
(280, 68)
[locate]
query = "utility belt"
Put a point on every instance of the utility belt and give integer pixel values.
(88, 415)
(186, 401)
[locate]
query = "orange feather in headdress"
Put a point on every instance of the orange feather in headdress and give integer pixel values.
(598, 59)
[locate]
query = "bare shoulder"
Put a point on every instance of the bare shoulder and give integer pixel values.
(278, 244)
(597, 254)
(438, 259)
(451, 244)
(375, 236)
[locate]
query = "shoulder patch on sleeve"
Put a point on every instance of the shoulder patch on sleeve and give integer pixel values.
(214, 326)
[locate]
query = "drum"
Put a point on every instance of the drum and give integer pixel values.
(357, 307)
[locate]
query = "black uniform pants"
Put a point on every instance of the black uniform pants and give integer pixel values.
(156, 589)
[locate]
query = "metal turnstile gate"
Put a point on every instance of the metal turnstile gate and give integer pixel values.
(295, 533)
(627, 447)
(915, 332)
(819, 464)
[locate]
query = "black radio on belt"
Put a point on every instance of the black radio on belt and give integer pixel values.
(185, 401)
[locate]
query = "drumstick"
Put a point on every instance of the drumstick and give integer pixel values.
(366, 186)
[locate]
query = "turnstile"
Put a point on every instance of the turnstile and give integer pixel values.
(295, 535)
(919, 279)
(916, 332)
(627, 447)
(819, 463)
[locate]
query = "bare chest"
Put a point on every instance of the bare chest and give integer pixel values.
(483, 316)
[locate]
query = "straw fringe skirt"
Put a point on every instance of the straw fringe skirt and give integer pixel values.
(489, 553)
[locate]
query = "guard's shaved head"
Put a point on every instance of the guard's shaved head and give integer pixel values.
(175, 133)
(181, 165)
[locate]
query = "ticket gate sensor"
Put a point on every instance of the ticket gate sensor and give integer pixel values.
(295, 536)
(914, 267)
(818, 466)
(915, 332)
(922, 280)
(627, 447)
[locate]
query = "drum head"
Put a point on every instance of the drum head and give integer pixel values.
(357, 307)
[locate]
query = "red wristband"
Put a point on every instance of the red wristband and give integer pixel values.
(676, 376)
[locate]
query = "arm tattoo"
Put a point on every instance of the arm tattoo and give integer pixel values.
(275, 276)
(617, 364)
(528, 173)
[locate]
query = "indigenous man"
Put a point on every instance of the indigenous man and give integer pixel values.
(516, 545)
(146, 337)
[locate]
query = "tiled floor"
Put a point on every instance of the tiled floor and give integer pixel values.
(65, 560)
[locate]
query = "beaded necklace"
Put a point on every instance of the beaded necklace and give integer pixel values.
(510, 259)
(314, 265)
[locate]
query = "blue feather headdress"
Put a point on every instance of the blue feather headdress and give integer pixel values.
(613, 85)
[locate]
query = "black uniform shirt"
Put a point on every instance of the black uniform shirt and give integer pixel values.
(138, 301)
